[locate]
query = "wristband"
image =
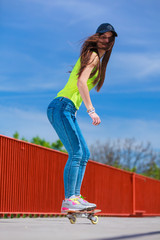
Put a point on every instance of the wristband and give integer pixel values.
(91, 109)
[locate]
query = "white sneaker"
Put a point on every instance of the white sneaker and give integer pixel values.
(72, 204)
(89, 206)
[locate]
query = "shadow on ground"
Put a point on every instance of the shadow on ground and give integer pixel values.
(132, 236)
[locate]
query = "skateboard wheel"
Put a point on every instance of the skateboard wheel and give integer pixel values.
(73, 219)
(94, 220)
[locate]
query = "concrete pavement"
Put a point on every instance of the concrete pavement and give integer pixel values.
(108, 228)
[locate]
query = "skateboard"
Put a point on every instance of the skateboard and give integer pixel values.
(72, 215)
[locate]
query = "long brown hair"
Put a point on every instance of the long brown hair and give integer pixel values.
(90, 45)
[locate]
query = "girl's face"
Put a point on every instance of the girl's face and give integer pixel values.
(105, 41)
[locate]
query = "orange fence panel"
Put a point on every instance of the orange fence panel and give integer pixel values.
(31, 181)
(147, 195)
(109, 187)
(31, 177)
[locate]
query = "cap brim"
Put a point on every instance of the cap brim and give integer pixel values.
(116, 35)
(104, 31)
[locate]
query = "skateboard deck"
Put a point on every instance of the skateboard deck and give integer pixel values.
(72, 215)
(84, 211)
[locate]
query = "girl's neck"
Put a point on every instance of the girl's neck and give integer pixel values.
(101, 52)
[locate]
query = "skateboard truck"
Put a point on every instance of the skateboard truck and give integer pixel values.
(72, 215)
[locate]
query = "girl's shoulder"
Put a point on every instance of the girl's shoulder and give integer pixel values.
(95, 51)
(94, 59)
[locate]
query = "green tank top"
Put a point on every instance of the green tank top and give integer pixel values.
(71, 90)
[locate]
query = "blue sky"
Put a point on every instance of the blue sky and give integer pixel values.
(39, 44)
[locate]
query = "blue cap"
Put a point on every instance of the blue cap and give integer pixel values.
(106, 27)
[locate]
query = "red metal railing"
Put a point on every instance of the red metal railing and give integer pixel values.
(31, 181)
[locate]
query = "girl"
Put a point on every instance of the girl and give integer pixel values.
(89, 71)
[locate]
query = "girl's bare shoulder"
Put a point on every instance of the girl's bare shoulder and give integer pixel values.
(94, 59)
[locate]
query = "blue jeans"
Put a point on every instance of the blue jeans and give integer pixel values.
(61, 114)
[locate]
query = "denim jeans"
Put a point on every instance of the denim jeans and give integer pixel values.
(61, 114)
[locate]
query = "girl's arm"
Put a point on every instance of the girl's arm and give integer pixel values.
(83, 88)
(82, 81)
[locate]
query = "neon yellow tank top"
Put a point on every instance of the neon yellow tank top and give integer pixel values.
(71, 90)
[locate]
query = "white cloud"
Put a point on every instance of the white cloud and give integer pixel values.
(79, 9)
(28, 73)
(44, 14)
(30, 123)
(125, 66)
(114, 128)
(138, 66)
(128, 90)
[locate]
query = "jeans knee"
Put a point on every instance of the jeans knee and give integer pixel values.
(77, 154)
(86, 156)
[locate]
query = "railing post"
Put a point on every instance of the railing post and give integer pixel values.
(133, 195)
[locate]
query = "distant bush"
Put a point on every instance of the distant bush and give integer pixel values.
(128, 155)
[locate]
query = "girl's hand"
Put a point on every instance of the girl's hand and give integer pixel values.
(95, 118)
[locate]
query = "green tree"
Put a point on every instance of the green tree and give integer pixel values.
(153, 171)
(42, 142)
(57, 145)
(38, 141)
(16, 135)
